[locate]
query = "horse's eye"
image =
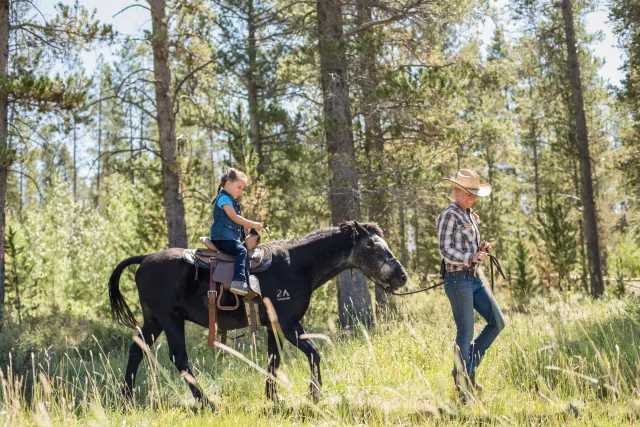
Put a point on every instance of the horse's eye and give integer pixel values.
(370, 243)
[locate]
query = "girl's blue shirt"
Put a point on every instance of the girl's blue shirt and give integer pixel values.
(224, 200)
(223, 228)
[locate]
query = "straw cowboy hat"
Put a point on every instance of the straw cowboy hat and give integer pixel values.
(469, 181)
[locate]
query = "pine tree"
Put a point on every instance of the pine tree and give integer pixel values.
(559, 235)
(72, 28)
(354, 301)
(524, 285)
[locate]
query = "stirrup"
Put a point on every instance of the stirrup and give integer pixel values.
(227, 307)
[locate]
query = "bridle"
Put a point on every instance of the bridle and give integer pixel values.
(388, 289)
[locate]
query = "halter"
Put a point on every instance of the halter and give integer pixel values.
(378, 284)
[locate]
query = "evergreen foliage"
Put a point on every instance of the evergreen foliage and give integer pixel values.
(427, 94)
(558, 233)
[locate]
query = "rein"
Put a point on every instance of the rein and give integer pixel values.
(389, 291)
(492, 258)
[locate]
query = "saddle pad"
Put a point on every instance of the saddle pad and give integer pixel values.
(254, 284)
(189, 256)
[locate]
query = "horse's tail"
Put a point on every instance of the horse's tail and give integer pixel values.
(119, 309)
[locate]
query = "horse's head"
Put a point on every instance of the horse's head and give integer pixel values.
(373, 257)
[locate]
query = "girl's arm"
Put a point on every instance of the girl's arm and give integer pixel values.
(239, 219)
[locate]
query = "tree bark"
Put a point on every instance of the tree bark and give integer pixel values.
(536, 176)
(132, 155)
(533, 136)
(354, 301)
(373, 135)
(255, 131)
(588, 200)
(171, 184)
(75, 163)
(583, 257)
(4, 147)
(403, 232)
(416, 237)
(97, 203)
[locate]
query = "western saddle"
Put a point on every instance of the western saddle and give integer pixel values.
(220, 266)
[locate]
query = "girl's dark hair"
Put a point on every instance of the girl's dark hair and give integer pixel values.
(232, 175)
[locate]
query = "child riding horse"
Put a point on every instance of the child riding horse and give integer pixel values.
(169, 295)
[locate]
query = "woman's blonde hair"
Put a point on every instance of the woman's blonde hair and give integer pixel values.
(232, 175)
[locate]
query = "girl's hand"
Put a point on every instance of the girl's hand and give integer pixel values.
(257, 226)
(478, 257)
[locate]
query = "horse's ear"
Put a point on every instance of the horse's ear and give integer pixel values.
(360, 230)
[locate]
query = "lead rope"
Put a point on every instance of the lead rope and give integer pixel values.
(493, 259)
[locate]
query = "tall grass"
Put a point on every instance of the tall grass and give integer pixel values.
(568, 361)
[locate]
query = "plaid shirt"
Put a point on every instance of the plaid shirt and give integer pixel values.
(459, 237)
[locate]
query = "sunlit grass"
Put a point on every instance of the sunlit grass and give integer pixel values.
(568, 361)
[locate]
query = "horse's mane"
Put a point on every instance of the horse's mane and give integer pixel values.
(348, 226)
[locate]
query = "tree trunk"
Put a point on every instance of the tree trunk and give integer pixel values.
(373, 135)
(75, 163)
(354, 301)
(97, 203)
(490, 170)
(536, 176)
(583, 257)
(588, 201)
(255, 131)
(533, 136)
(4, 148)
(10, 125)
(171, 184)
(132, 155)
(416, 237)
(403, 232)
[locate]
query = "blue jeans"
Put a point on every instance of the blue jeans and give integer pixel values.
(237, 249)
(466, 293)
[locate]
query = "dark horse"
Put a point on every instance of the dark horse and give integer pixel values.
(169, 294)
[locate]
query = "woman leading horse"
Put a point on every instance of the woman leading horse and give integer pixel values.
(462, 251)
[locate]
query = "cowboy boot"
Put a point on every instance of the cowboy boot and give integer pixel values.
(477, 387)
(462, 385)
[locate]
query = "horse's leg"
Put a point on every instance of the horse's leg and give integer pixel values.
(313, 354)
(173, 325)
(274, 363)
(149, 334)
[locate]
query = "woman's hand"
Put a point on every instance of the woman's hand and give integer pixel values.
(479, 256)
(256, 225)
(485, 246)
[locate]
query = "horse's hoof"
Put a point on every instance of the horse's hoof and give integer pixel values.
(270, 390)
(127, 394)
(314, 391)
(207, 405)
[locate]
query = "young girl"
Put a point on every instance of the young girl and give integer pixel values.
(227, 231)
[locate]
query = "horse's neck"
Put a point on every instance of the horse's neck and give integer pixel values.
(325, 258)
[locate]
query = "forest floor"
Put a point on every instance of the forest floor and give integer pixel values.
(567, 360)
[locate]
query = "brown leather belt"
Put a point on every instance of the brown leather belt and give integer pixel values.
(466, 272)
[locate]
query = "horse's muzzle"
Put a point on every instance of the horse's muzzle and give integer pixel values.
(399, 278)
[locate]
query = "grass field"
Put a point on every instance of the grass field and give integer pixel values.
(568, 361)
